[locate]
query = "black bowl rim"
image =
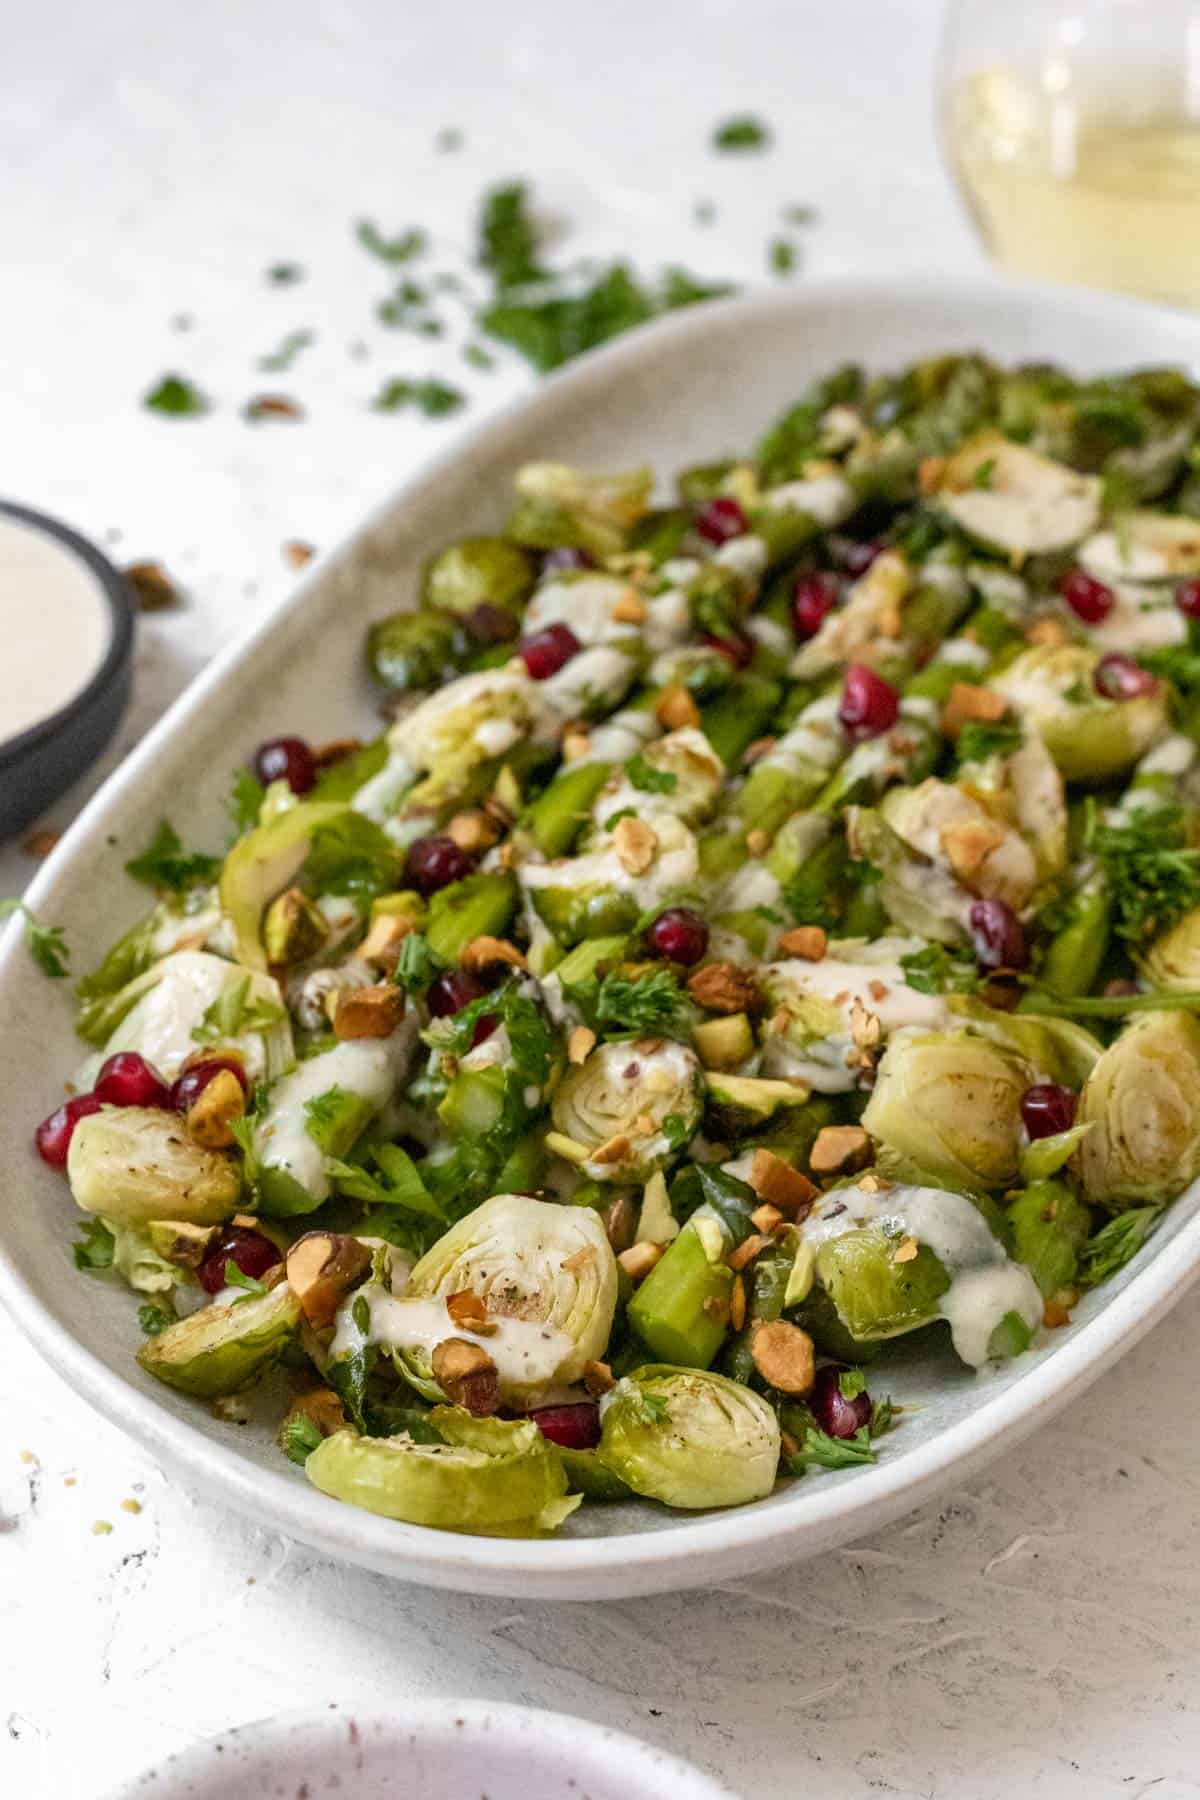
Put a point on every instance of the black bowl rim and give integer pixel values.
(116, 592)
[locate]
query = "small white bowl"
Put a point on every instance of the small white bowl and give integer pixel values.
(425, 1750)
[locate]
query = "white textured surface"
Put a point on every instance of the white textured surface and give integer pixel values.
(1036, 1634)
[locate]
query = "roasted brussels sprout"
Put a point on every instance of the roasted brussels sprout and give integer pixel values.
(415, 649)
(1090, 737)
(690, 1438)
(1011, 498)
(193, 998)
(949, 1103)
(491, 1477)
(625, 1111)
(479, 571)
(136, 1163)
(1173, 960)
(1142, 1100)
(223, 1348)
(560, 506)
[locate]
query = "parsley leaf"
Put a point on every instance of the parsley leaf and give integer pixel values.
(349, 1372)
(396, 1182)
(324, 1111)
(245, 798)
(285, 274)
(177, 397)
(390, 250)
(851, 1383)
(637, 1005)
(1115, 1244)
(436, 399)
(288, 351)
(299, 1437)
(648, 779)
(984, 473)
(676, 1130)
(95, 1248)
(744, 132)
(233, 1013)
(164, 863)
(46, 943)
(781, 256)
(417, 964)
(936, 970)
(508, 237)
(556, 325)
(154, 1319)
(977, 742)
(821, 1451)
(351, 855)
(1153, 874)
(238, 1278)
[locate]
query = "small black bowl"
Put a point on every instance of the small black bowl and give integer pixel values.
(38, 764)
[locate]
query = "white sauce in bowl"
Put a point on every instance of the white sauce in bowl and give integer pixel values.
(56, 625)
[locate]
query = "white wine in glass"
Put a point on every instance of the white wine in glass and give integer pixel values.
(1074, 131)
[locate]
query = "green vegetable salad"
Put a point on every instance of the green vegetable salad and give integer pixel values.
(768, 926)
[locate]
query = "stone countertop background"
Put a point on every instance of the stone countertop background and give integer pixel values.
(1038, 1632)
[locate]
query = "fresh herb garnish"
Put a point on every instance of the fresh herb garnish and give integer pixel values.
(851, 1383)
(399, 249)
(744, 132)
(96, 1247)
(676, 1130)
(508, 237)
(1115, 1244)
(650, 780)
(285, 274)
(478, 357)
(652, 1408)
(245, 797)
(46, 943)
(417, 964)
(349, 1372)
(1152, 871)
(782, 256)
(436, 399)
(614, 819)
(299, 1437)
(638, 1006)
(164, 863)
(351, 855)
(153, 1318)
(977, 742)
(936, 970)
(984, 473)
(177, 397)
(819, 1450)
(238, 1278)
(234, 1013)
(392, 1179)
(324, 1111)
(288, 351)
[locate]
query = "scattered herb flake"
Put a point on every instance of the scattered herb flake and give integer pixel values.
(478, 357)
(245, 797)
(782, 256)
(744, 132)
(237, 1277)
(46, 943)
(417, 964)
(153, 1318)
(288, 351)
(164, 863)
(508, 237)
(96, 1247)
(436, 399)
(399, 249)
(936, 970)
(177, 397)
(285, 274)
(649, 780)
(449, 138)
(978, 742)
(299, 1437)
(1116, 1243)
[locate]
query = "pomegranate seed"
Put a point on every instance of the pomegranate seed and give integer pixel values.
(869, 704)
(998, 936)
(485, 1024)
(571, 1427)
(1087, 598)
(813, 599)
(837, 1416)
(52, 1139)
(286, 759)
(451, 991)
(434, 862)
(252, 1253)
(1047, 1108)
(566, 557)
(738, 650)
(853, 556)
(549, 650)
(721, 520)
(487, 624)
(678, 935)
(187, 1088)
(1187, 598)
(1118, 677)
(127, 1079)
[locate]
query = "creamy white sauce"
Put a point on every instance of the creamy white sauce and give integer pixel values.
(1141, 619)
(984, 1283)
(586, 603)
(161, 1026)
(527, 1354)
(816, 737)
(960, 653)
(745, 557)
(57, 626)
(828, 1062)
(826, 498)
(621, 736)
(750, 886)
(1174, 756)
(363, 1066)
(596, 678)
(382, 794)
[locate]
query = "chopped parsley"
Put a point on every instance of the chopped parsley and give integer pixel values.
(299, 1437)
(676, 1130)
(234, 1013)
(153, 1318)
(478, 357)
(614, 819)
(392, 1179)
(324, 1112)
(936, 970)
(819, 1450)
(177, 397)
(238, 1278)
(436, 399)
(977, 742)
(704, 212)
(508, 237)
(782, 256)
(285, 274)
(417, 964)
(286, 354)
(399, 249)
(1153, 873)
(245, 797)
(165, 864)
(1115, 1244)
(46, 943)
(851, 1383)
(984, 473)
(95, 1248)
(652, 1408)
(638, 1005)
(649, 780)
(744, 132)
(449, 138)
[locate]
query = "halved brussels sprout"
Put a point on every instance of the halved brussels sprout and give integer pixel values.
(537, 1262)
(223, 1348)
(1148, 546)
(1173, 960)
(955, 830)
(479, 571)
(949, 1103)
(597, 895)
(136, 1163)
(414, 650)
(875, 1296)
(627, 1110)
(191, 999)
(1014, 499)
(491, 1477)
(1092, 739)
(557, 505)
(822, 1012)
(681, 774)
(1143, 1101)
(871, 612)
(1058, 1048)
(470, 721)
(690, 1438)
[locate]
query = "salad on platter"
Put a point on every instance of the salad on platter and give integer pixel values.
(768, 926)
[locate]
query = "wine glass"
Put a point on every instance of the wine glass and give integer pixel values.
(1073, 130)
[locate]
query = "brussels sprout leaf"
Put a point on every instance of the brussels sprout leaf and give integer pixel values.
(648, 779)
